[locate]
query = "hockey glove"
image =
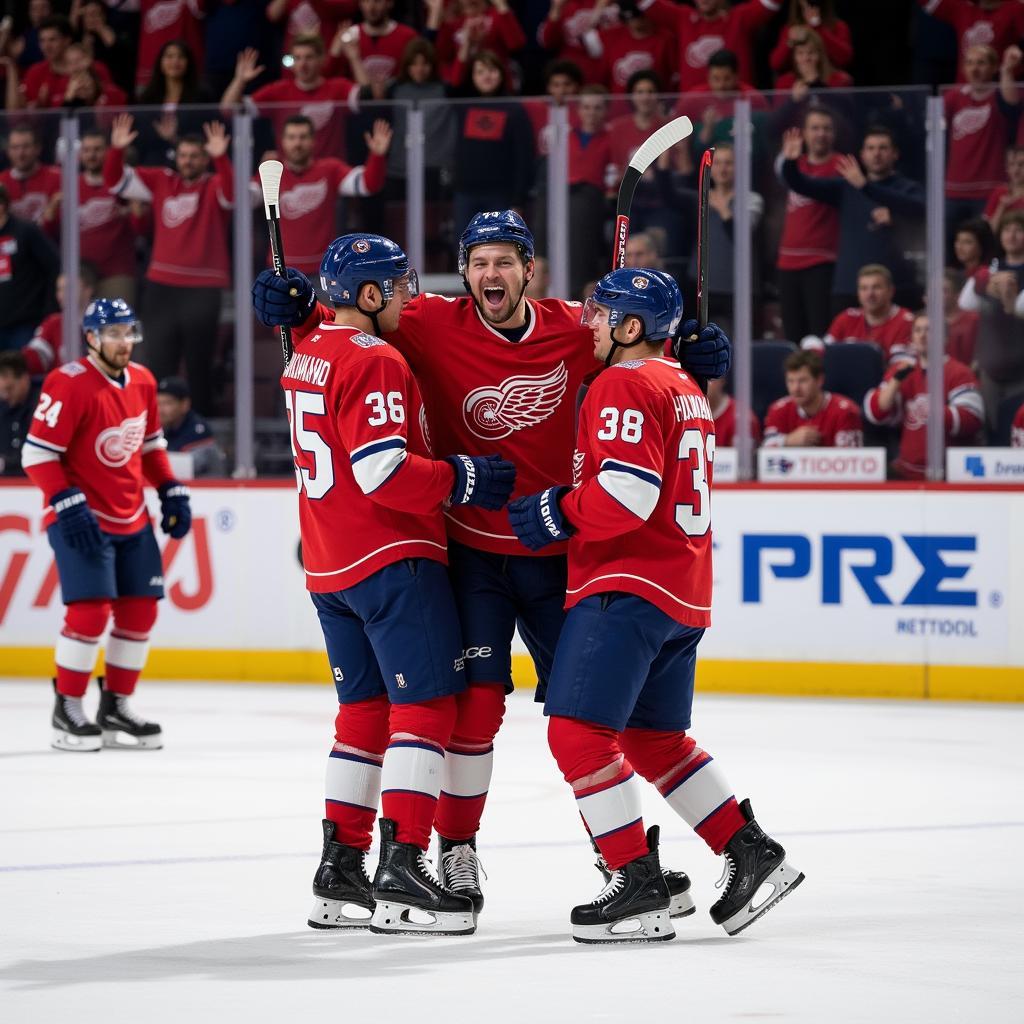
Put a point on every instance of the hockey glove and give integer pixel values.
(273, 303)
(484, 480)
(708, 356)
(537, 519)
(176, 512)
(76, 521)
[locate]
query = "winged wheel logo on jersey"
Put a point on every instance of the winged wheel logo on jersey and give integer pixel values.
(303, 198)
(517, 402)
(116, 445)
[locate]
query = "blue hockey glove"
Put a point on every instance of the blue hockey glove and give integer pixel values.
(709, 356)
(176, 512)
(537, 519)
(76, 521)
(273, 303)
(484, 480)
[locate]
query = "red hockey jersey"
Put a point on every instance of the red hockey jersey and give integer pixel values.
(42, 353)
(370, 492)
(30, 195)
(893, 334)
(641, 501)
(838, 421)
(725, 424)
(102, 436)
(325, 105)
(978, 135)
(106, 237)
(810, 232)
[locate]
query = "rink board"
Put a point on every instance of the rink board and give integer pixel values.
(852, 591)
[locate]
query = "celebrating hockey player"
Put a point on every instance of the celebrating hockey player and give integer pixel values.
(373, 547)
(95, 440)
(639, 599)
(498, 370)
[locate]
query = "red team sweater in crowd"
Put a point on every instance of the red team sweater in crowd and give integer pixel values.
(42, 353)
(892, 335)
(725, 424)
(190, 239)
(44, 87)
(1017, 203)
(1017, 429)
(963, 417)
(699, 39)
(164, 21)
(810, 232)
(308, 200)
(566, 36)
(627, 139)
(997, 28)
(835, 37)
(590, 159)
(838, 421)
(978, 130)
(30, 194)
(102, 436)
(106, 238)
(370, 492)
(502, 34)
(320, 16)
(641, 501)
(381, 54)
(624, 55)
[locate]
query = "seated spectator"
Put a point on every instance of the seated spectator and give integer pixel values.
(569, 28)
(112, 47)
(33, 187)
(18, 399)
(310, 187)
(562, 83)
(810, 231)
(29, 264)
(875, 317)
(477, 27)
(820, 16)
(811, 67)
(1002, 282)
(902, 400)
(379, 41)
(634, 45)
(1017, 429)
(710, 104)
(186, 431)
(645, 248)
(810, 416)
(997, 23)
(45, 83)
(723, 408)
(307, 92)
(85, 88)
(872, 202)
(629, 131)
(1011, 195)
(160, 23)
(980, 118)
(961, 324)
(43, 352)
(190, 266)
(974, 246)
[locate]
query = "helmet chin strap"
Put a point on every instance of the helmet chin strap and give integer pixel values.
(373, 314)
(109, 368)
(619, 344)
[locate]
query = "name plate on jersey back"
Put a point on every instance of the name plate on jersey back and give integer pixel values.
(985, 465)
(821, 465)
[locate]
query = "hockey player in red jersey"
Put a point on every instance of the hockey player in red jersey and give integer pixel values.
(95, 440)
(638, 523)
(373, 547)
(498, 371)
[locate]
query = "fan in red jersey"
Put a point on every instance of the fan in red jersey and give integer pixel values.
(635, 45)
(34, 187)
(46, 82)
(378, 41)
(723, 408)
(42, 353)
(95, 441)
(500, 372)
(878, 318)
(998, 24)
(810, 416)
(902, 400)
(638, 522)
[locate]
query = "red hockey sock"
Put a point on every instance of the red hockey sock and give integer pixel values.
(413, 766)
(128, 645)
(79, 644)
(352, 784)
(604, 784)
(469, 760)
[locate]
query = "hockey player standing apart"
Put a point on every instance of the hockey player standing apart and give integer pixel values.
(373, 546)
(639, 600)
(95, 441)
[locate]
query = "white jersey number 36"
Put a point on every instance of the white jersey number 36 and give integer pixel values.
(692, 522)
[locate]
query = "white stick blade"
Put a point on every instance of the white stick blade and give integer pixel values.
(270, 178)
(664, 138)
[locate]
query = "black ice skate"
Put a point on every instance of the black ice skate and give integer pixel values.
(459, 869)
(678, 882)
(71, 729)
(343, 896)
(752, 860)
(122, 728)
(409, 900)
(632, 907)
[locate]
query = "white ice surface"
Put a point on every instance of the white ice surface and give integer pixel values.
(174, 886)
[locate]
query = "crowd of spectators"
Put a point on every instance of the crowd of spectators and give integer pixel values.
(837, 204)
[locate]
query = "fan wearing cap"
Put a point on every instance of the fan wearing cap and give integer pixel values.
(95, 442)
(186, 431)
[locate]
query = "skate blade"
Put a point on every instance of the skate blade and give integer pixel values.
(783, 880)
(682, 905)
(336, 914)
(401, 919)
(653, 927)
(115, 739)
(76, 744)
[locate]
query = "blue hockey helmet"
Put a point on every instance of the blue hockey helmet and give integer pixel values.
(101, 313)
(650, 295)
(357, 259)
(495, 226)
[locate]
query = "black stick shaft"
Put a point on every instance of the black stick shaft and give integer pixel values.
(277, 255)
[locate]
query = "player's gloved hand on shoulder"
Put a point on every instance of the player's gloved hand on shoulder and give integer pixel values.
(273, 302)
(537, 519)
(709, 356)
(175, 509)
(76, 521)
(484, 480)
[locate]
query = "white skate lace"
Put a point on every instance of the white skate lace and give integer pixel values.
(462, 867)
(425, 867)
(73, 711)
(728, 870)
(614, 886)
(124, 711)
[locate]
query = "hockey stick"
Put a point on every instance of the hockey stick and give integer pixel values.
(703, 211)
(270, 172)
(656, 144)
